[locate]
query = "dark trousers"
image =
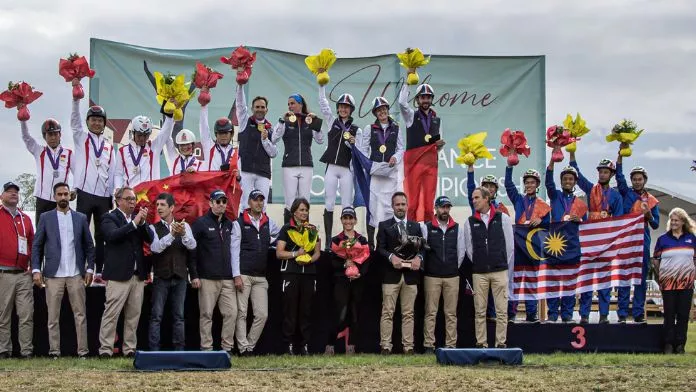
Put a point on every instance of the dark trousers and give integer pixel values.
(676, 305)
(347, 297)
(94, 207)
(566, 304)
(298, 293)
(175, 290)
(43, 205)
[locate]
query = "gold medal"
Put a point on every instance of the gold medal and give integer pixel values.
(427, 138)
(566, 218)
(603, 214)
(644, 206)
(346, 135)
(382, 148)
(292, 118)
(308, 119)
(260, 126)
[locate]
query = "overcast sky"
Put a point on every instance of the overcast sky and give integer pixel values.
(607, 60)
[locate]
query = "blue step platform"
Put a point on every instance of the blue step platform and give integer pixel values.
(181, 360)
(473, 356)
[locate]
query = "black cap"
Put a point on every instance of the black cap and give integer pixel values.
(9, 185)
(217, 195)
(350, 211)
(443, 201)
(255, 194)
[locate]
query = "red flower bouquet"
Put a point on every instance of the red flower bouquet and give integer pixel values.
(351, 249)
(205, 78)
(556, 138)
(514, 142)
(241, 60)
(74, 68)
(20, 95)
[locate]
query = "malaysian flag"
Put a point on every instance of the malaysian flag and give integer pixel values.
(567, 258)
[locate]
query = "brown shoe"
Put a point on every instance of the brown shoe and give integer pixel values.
(385, 351)
(408, 351)
(350, 349)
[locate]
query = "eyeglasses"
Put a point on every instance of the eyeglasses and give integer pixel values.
(129, 198)
(221, 201)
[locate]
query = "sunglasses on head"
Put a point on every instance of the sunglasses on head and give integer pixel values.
(221, 201)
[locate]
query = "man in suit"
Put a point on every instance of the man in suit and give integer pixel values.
(401, 276)
(64, 240)
(124, 270)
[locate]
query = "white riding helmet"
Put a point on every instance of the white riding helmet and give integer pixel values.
(141, 124)
(425, 89)
(185, 137)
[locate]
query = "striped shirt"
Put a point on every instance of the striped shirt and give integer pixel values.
(677, 270)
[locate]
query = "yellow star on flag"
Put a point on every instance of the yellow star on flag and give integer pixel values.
(142, 195)
(165, 186)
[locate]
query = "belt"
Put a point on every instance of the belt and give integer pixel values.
(13, 272)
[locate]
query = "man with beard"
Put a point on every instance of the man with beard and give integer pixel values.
(64, 239)
(529, 210)
(214, 274)
(565, 207)
(255, 146)
(423, 128)
(489, 244)
(401, 276)
(637, 200)
(252, 235)
(605, 202)
(53, 164)
(441, 270)
(491, 184)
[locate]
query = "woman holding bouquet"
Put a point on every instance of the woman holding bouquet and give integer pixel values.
(298, 249)
(298, 128)
(350, 254)
(340, 139)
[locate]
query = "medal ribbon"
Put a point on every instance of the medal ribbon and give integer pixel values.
(97, 152)
(54, 162)
(136, 161)
(528, 206)
(425, 119)
(222, 154)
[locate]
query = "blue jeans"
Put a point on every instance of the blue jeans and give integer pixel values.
(586, 302)
(161, 289)
(567, 304)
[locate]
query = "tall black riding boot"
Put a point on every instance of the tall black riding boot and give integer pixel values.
(328, 225)
(371, 236)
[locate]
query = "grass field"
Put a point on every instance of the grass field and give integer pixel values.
(567, 372)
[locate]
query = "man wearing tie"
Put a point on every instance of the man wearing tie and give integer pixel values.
(64, 239)
(401, 276)
(124, 271)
